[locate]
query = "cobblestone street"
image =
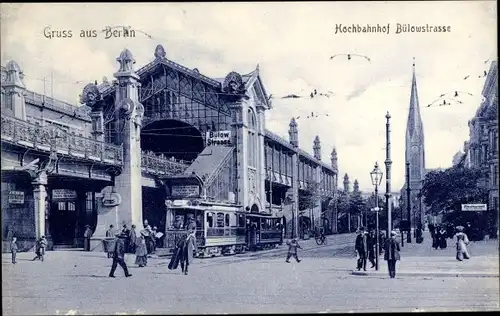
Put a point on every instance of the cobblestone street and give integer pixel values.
(77, 282)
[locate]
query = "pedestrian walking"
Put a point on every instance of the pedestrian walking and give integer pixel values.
(462, 242)
(372, 242)
(132, 239)
(141, 253)
(435, 239)
(153, 239)
(189, 251)
(126, 241)
(119, 256)
(86, 238)
(13, 249)
(110, 233)
(391, 254)
(443, 234)
(293, 245)
(40, 246)
(361, 247)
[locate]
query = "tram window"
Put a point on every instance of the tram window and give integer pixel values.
(71, 206)
(241, 220)
(61, 206)
(199, 221)
(264, 224)
(220, 220)
(210, 220)
(227, 220)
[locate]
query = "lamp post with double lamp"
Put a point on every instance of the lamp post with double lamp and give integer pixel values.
(376, 176)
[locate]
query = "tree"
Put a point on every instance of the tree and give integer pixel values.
(356, 204)
(343, 206)
(447, 190)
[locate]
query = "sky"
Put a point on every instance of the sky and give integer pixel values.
(292, 44)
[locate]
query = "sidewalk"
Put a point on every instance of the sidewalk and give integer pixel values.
(423, 260)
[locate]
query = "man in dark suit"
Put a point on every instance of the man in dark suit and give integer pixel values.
(362, 248)
(119, 256)
(391, 254)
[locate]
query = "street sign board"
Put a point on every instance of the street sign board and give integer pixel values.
(474, 207)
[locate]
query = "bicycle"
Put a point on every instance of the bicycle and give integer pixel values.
(320, 239)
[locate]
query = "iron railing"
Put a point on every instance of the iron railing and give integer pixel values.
(161, 165)
(49, 138)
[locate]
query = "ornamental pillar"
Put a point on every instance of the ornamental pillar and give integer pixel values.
(39, 195)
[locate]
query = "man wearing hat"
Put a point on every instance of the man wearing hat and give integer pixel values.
(361, 247)
(119, 256)
(86, 238)
(391, 254)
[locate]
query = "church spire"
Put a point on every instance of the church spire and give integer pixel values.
(414, 127)
(415, 149)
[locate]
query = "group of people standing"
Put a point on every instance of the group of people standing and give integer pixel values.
(366, 249)
(127, 241)
(366, 244)
(439, 236)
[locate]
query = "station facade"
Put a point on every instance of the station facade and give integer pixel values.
(152, 141)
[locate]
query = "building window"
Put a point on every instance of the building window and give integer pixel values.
(252, 139)
(8, 101)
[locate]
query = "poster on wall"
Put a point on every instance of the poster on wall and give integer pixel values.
(16, 197)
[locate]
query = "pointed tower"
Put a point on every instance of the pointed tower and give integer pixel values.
(294, 133)
(334, 159)
(414, 147)
(346, 183)
(317, 148)
(356, 186)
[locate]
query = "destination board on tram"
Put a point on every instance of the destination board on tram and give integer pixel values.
(185, 190)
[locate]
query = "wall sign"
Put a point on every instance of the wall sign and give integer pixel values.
(16, 197)
(186, 190)
(474, 207)
(63, 194)
(218, 138)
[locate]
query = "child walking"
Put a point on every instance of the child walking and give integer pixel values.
(13, 249)
(41, 244)
(292, 250)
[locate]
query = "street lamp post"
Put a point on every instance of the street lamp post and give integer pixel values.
(388, 163)
(376, 177)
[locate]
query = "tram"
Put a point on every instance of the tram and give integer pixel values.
(221, 229)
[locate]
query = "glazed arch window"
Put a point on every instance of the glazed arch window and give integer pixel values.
(227, 220)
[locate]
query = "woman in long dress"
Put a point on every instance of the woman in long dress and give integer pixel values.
(141, 252)
(462, 242)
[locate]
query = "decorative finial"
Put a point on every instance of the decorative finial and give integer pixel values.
(257, 67)
(126, 60)
(160, 52)
(413, 62)
(387, 116)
